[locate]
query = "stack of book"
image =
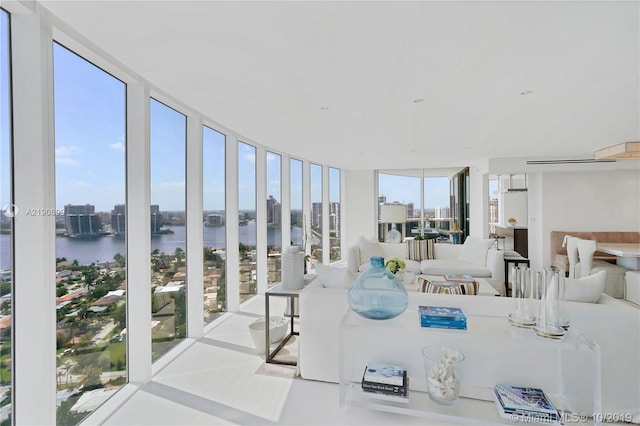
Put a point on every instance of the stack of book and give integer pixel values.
(528, 404)
(386, 380)
(442, 317)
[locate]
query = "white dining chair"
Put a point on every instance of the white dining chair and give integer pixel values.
(588, 266)
(572, 254)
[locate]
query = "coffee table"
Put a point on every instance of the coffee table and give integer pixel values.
(484, 288)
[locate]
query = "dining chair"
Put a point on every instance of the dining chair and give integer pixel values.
(588, 266)
(572, 254)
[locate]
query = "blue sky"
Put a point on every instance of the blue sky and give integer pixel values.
(406, 189)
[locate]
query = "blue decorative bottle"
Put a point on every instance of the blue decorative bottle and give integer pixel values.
(377, 293)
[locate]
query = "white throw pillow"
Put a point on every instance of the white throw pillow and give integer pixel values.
(474, 250)
(334, 277)
(369, 249)
(587, 289)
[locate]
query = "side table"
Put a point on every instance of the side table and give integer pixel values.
(292, 295)
(516, 260)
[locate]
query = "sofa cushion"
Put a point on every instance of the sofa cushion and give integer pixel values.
(451, 266)
(420, 249)
(334, 277)
(474, 250)
(369, 249)
(587, 289)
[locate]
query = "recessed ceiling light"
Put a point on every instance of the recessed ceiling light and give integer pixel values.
(467, 148)
(526, 92)
(324, 108)
(417, 101)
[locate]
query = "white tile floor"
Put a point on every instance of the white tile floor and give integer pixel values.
(221, 380)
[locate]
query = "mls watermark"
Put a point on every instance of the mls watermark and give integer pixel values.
(11, 210)
(573, 418)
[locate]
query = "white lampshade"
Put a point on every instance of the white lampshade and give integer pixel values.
(393, 213)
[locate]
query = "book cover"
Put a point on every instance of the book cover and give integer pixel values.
(442, 313)
(384, 388)
(455, 325)
(459, 278)
(525, 402)
(385, 374)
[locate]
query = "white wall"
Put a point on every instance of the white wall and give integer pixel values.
(360, 206)
(580, 201)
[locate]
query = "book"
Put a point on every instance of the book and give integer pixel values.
(385, 378)
(464, 278)
(386, 396)
(530, 403)
(442, 317)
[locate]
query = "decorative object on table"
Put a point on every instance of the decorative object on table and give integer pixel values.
(525, 291)
(551, 321)
(526, 404)
(448, 287)
(512, 221)
(395, 264)
(393, 214)
(377, 293)
(386, 379)
(443, 378)
(277, 330)
(292, 268)
(442, 317)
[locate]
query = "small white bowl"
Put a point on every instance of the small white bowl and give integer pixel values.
(277, 327)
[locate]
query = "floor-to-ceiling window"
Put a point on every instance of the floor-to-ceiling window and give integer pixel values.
(274, 217)
(297, 216)
(214, 218)
(168, 133)
(6, 217)
(314, 237)
(334, 214)
(247, 220)
(90, 146)
(401, 188)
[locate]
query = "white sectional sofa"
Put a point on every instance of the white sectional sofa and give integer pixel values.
(613, 324)
(475, 257)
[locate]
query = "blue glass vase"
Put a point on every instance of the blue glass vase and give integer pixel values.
(377, 293)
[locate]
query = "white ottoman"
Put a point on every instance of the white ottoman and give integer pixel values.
(632, 287)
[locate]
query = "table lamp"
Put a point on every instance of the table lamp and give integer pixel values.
(393, 214)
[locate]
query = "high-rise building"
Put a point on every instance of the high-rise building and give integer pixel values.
(316, 215)
(157, 220)
(334, 218)
(213, 220)
(274, 211)
(81, 221)
(442, 211)
(118, 219)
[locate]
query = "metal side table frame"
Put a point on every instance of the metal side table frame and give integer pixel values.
(292, 295)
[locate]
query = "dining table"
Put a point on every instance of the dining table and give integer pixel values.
(627, 254)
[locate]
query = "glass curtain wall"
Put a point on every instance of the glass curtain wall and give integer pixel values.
(90, 146)
(214, 218)
(6, 217)
(314, 237)
(297, 217)
(334, 214)
(168, 137)
(274, 218)
(247, 220)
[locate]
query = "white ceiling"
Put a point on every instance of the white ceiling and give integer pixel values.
(265, 69)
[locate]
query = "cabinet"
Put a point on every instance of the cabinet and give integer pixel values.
(521, 241)
(495, 352)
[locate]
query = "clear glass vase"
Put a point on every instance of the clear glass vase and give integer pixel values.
(377, 293)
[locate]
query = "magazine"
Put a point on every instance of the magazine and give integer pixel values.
(466, 278)
(526, 402)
